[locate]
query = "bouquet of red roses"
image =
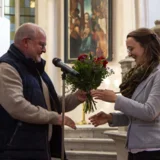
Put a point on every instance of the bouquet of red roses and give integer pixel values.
(93, 70)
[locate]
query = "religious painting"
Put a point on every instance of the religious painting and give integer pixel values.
(88, 28)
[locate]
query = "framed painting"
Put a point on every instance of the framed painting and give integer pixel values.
(88, 28)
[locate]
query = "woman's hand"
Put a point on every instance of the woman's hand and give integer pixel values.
(100, 118)
(104, 95)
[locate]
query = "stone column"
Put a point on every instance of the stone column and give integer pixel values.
(127, 64)
(55, 30)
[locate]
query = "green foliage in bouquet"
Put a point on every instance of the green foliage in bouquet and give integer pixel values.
(93, 70)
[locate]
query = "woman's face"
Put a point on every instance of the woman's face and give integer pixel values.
(135, 50)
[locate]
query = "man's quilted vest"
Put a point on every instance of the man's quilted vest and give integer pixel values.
(25, 141)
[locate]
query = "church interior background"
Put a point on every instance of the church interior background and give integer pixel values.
(127, 15)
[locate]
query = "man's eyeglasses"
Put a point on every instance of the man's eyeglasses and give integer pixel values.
(43, 45)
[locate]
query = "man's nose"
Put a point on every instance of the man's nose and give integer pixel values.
(44, 49)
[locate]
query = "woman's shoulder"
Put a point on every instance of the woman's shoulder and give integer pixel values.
(156, 72)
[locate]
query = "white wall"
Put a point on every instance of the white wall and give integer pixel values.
(4, 34)
(4, 31)
(153, 12)
(147, 12)
(1, 13)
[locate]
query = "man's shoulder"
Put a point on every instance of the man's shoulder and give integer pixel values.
(6, 65)
(6, 68)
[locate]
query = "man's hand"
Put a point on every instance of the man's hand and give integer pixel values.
(100, 118)
(67, 121)
(81, 95)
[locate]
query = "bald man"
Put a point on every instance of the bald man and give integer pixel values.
(30, 110)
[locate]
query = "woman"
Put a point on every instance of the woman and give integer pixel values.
(140, 100)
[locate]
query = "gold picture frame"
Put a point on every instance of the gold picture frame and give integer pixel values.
(88, 28)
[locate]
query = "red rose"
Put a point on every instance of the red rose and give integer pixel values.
(82, 57)
(101, 59)
(105, 62)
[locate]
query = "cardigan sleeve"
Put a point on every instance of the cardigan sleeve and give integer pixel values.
(13, 101)
(119, 119)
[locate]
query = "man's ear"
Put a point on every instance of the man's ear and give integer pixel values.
(25, 42)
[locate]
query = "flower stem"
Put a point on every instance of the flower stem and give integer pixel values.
(90, 104)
